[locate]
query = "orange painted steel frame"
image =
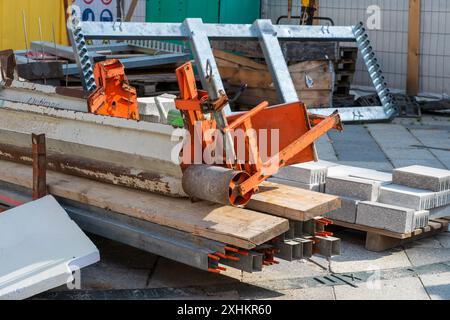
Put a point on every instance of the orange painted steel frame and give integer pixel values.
(296, 128)
(113, 96)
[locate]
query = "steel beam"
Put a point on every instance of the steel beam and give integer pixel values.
(42, 95)
(164, 241)
(271, 48)
(178, 31)
(327, 246)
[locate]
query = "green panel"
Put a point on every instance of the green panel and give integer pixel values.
(178, 10)
(240, 11)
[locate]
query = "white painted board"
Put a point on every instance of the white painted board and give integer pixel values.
(40, 247)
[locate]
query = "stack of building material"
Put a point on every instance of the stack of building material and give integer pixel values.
(313, 80)
(400, 202)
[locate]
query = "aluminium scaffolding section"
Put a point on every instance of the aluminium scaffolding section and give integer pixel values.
(199, 34)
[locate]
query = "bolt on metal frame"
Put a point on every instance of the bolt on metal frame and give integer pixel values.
(269, 35)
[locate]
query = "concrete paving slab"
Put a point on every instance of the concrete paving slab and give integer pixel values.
(325, 150)
(355, 143)
(382, 166)
(40, 247)
(285, 270)
(409, 162)
(312, 173)
(121, 267)
(317, 293)
(401, 151)
(354, 257)
(431, 242)
(435, 141)
(423, 256)
(399, 289)
(108, 275)
(444, 239)
(437, 285)
(172, 274)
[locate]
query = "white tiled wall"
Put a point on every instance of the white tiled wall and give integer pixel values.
(391, 41)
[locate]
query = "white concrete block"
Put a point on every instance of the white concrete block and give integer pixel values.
(313, 173)
(347, 211)
(384, 216)
(40, 247)
(407, 197)
(421, 219)
(440, 212)
(357, 188)
(442, 198)
(423, 177)
(156, 109)
(305, 186)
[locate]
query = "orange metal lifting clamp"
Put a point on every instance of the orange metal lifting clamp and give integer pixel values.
(296, 132)
(113, 96)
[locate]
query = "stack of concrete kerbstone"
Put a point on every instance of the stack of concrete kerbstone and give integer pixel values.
(399, 202)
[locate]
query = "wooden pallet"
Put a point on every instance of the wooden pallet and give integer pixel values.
(380, 240)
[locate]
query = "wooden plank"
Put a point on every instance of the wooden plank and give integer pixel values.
(254, 96)
(376, 242)
(318, 71)
(242, 61)
(131, 10)
(372, 230)
(240, 227)
(413, 77)
(292, 203)
(295, 51)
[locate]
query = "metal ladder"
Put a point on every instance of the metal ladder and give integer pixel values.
(83, 59)
(374, 69)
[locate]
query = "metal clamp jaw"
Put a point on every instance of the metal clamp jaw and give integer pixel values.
(210, 106)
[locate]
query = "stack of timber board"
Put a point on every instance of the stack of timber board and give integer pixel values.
(345, 67)
(294, 51)
(243, 228)
(314, 80)
(391, 209)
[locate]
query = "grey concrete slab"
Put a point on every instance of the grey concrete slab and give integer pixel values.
(120, 267)
(312, 173)
(401, 147)
(382, 166)
(399, 289)
(354, 257)
(435, 141)
(285, 270)
(357, 188)
(437, 285)
(287, 182)
(423, 177)
(385, 216)
(407, 197)
(422, 256)
(168, 273)
(347, 211)
(443, 239)
(325, 150)
(356, 144)
(440, 212)
(317, 293)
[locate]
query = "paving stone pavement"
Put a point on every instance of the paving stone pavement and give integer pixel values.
(375, 146)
